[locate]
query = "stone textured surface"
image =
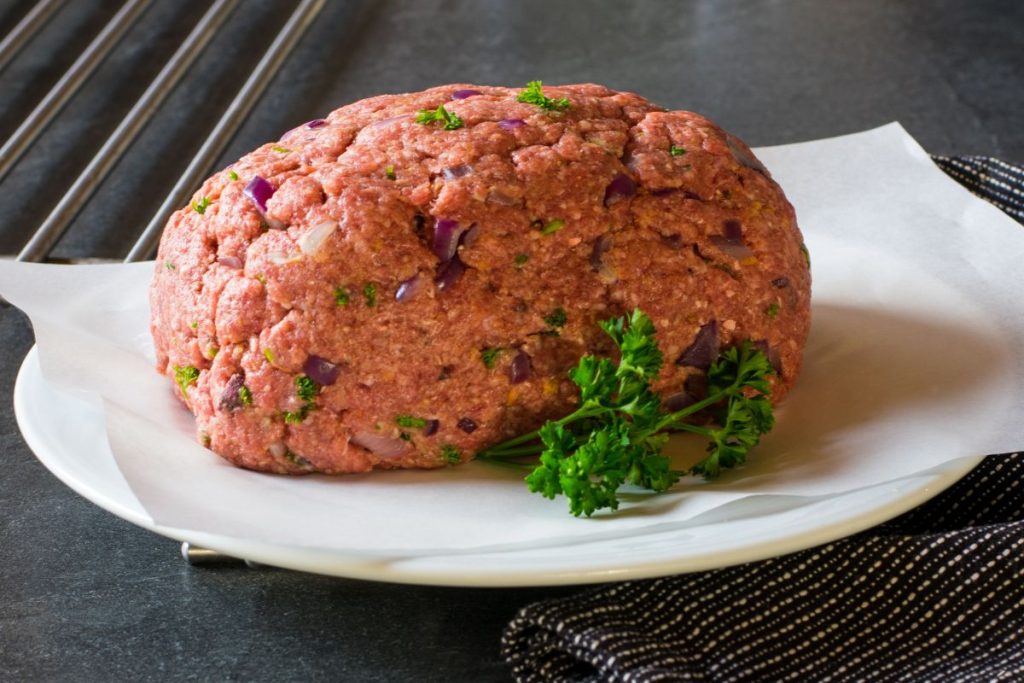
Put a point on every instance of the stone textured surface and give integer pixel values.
(86, 596)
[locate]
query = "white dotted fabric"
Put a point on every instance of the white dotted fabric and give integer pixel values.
(935, 595)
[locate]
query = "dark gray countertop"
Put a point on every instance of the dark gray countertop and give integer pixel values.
(87, 596)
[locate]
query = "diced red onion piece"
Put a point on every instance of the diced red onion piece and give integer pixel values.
(511, 124)
(431, 427)
(678, 401)
(312, 240)
(704, 349)
(378, 444)
(230, 398)
(621, 187)
(665, 191)
(499, 197)
(732, 230)
(446, 238)
(696, 386)
(463, 94)
(732, 248)
(601, 245)
(408, 288)
(466, 424)
(780, 282)
(520, 369)
(470, 237)
(771, 354)
(744, 157)
(321, 370)
(448, 273)
(278, 449)
(259, 191)
(316, 123)
(460, 171)
(230, 262)
(673, 241)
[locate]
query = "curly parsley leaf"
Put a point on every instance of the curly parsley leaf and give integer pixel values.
(185, 376)
(450, 120)
(617, 434)
(534, 94)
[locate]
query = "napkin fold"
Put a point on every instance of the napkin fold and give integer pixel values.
(937, 594)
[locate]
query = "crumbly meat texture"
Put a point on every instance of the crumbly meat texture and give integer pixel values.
(607, 205)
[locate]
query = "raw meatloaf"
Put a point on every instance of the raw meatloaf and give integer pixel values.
(386, 289)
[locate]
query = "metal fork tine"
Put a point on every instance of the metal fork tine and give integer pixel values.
(229, 123)
(69, 84)
(26, 28)
(47, 235)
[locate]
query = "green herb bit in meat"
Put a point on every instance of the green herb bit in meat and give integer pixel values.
(451, 454)
(617, 434)
(212, 352)
(269, 355)
(552, 227)
(280, 150)
(676, 151)
(370, 294)
(341, 296)
(194, 325)
(305, 388)
(232, 175)
(772, 311)
(806, 254)
(261, 278)
(389, 171)
(170, 266)
(405, 436)
(200, 206)
(244, 395)
(556, 318)
(521, 260)
(297, 460)
(534, 94)
(185, 376)
(298, 416)
(410, 421)
(451, 121)
(489, 356)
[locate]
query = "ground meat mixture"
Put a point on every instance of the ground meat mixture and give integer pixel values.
(408, 281)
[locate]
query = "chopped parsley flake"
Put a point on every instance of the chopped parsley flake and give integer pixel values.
(306, 388)
(676, 151)
(772, 311)
(370, 294)
(269, 355)
(552, 227)
(185, 376)
(280, 150)
(296, 417)
(410, 421)
(390, 172)
(556, 318)
(232, 175)
(341, 296)
(194, 325)
(534, 94)
(245, 395)
(489, 356)
(521, 260)
(200, 206)
(170, 266)
(212, 351)
(262, 279)
(451, 454)
(806, 254)
(405, 436)
(451, 121)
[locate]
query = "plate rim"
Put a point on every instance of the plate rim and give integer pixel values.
(380, 568)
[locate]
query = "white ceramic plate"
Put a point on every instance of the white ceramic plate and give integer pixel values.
(67, 434)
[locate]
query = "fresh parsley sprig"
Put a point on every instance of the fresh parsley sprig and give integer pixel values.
(617, 433)
(451, 120)
(534, 94)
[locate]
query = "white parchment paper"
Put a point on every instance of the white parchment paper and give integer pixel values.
(914, 360)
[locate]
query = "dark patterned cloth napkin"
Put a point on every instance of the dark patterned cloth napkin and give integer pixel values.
(934, 595)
